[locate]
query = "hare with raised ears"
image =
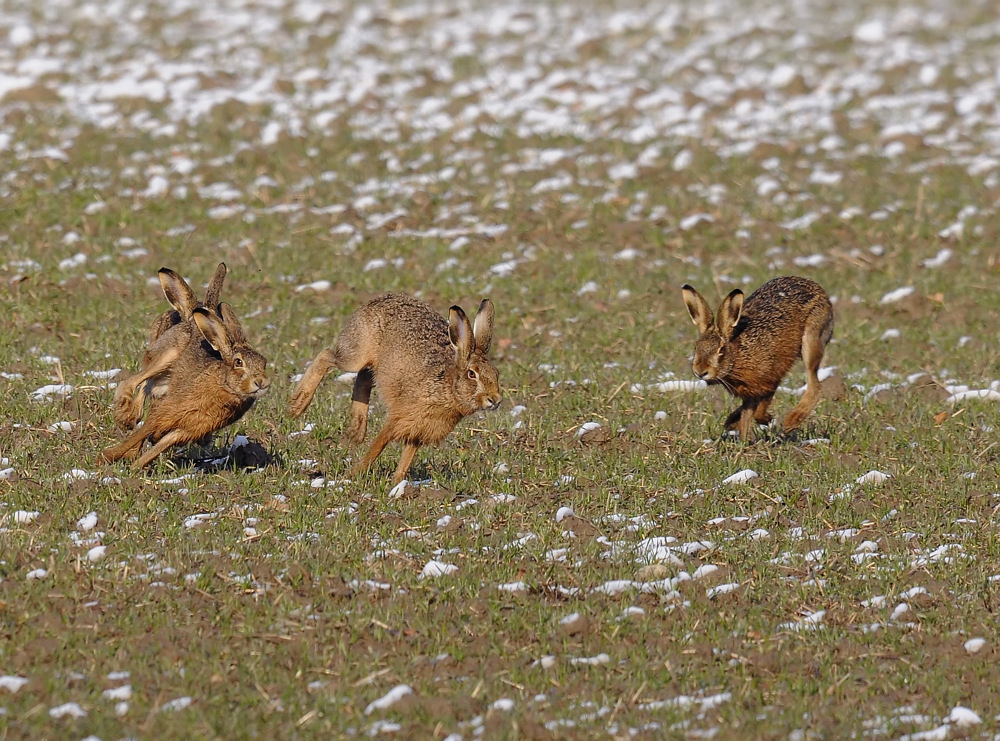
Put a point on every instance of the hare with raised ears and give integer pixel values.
(749, 346)
(168, 337)
(430, 372)
(180, 296)
(213, 382)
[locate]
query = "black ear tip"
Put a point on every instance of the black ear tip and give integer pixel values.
(687, 287)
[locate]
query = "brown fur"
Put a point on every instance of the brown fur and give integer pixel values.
(423, 367)
(170, 333)
(214, 382)
(750, 345)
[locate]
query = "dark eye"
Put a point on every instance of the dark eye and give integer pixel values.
(238, 363)
(472, 374)
(720, 350)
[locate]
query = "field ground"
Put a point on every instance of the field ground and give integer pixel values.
(577, 163)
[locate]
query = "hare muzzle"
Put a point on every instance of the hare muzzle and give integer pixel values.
(259, 387)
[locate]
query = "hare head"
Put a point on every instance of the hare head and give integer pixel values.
(477, 383)
(714, 356)
(243, 369)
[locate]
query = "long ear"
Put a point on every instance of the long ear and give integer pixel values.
(213, 331)
(461, 335)
(233, 329)
(729, 313)
(178, 292)
(482, 328)
(214, 291)
(698, 308)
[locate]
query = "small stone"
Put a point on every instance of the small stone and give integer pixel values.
(652, 572)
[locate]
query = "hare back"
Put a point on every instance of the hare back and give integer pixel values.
(778, 313)
(768, 337)
(163, 323)
(396, 334)
(176, 336)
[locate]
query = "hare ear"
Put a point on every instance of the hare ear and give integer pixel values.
(698, 308)
(234, 331)
(213, 330)
(214, 291)
(178, 292)
(461, 335)
(729, 313)
(482, 329)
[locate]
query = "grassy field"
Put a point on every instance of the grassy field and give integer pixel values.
(577, 163)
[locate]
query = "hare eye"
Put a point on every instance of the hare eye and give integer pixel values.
(238, 362)
(472, 374)
(719, 354)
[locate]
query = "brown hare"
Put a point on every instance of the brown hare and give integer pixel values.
(153, 377)
(213, 382)
(749, 346)
(430, 372)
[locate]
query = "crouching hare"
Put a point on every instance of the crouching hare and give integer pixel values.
(430, 372)
(169, 335)
(749, 346)
(214, 379)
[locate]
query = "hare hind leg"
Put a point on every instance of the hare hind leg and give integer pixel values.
(127, 449)
(305, 389)
(130, 396)
(813, 347)
(360, 399)
(170, 439)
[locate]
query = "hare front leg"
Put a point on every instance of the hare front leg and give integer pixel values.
(360, 399)
(760, 415)
(733, 420)
(409, 450)
(743, 417)
(383, 438)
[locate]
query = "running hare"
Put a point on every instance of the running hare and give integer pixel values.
(167, 338)
(213, 382)
(750, 345)
(430, 372)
